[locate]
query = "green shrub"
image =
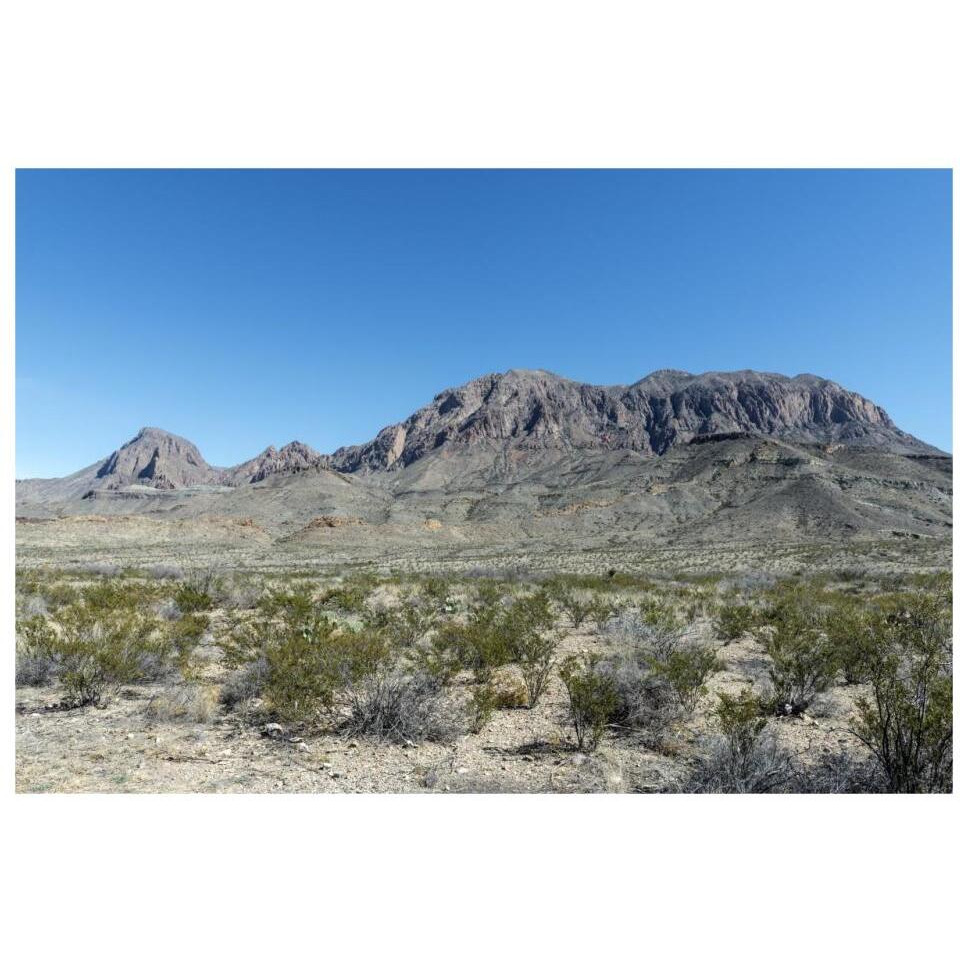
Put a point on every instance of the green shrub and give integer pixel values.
(803, 659)
(854, 640)
(479, 644)
(574, 607)
(110, 596)
(351, 595)
(95, 652)
(659, 615)
(525, 627)
(687, 670)
(907, 721)
(300, 675)
(35, 664)
(59, 595)
(480, 706)
(291, 606)
(592, 700)
(744, 758)
(191, 598)
(186, 634)
(733, 621)
(599, 612)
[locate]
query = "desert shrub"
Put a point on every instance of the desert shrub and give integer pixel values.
(478, 645)
(351, 595)
(744, 757)
(907, 720)
(302, 673)
(803, 661)
(438, 655)
(35, 664)
(524, 629)
(854, 641)
(393, 704)
(296, 648)
(600, 611)
(687, 670)
(568, 601)
(244, 684)
(59, 595)
(95, 652)
(184, 703)
(436, 589)
(660, 616)
(240, 595)
(536, 656)
(480, 706)
(404, 626)
(185, 635)
(292, 606)
(630, 628)
(837, 772)
(592, 700)
(109, 596)
(643, 700)
(193, 598)
(733, 621)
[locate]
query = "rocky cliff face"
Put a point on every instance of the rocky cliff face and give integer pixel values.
(155, 458)
(291, 458)
(539, 410)
(527, 410)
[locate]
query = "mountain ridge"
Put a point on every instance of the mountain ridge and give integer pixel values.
(526, 409)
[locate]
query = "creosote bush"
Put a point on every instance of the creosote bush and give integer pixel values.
(803, 661)
(309, 667)
(907, 719)
(733, 621)
(592, 700)
(93, 651)
(687, 669)
(744, 758)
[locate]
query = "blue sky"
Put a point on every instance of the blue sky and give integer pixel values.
(244, 308)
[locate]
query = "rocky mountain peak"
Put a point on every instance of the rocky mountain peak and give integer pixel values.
(541, 410)
(155, 458)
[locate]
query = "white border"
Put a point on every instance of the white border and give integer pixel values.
(444, 84)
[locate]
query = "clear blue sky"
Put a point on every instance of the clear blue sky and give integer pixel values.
(244, 308)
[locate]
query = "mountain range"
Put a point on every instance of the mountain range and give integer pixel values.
(529, 454)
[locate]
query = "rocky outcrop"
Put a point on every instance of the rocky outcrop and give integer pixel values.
(530, 410)
(155, 458)
(535, 409)
(291, 458)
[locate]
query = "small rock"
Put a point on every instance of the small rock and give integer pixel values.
(272, 730)
(462, 770)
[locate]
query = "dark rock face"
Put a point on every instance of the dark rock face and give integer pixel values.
(155, 458)
(531, 411)
(291, 458)
(534, 409)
